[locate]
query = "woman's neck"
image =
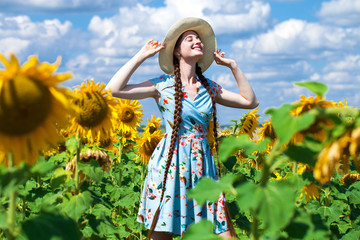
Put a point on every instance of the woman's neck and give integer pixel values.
(188, 73)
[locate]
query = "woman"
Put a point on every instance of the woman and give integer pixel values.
(187, 101)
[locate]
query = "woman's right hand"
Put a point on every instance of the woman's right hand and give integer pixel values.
(151, 48)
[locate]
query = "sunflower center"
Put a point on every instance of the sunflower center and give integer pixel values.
(270, 133)
(105, 142)
(93, 109)
(152, 129)
(149, 146)
(127, 115)
(24, 105)
(127, 134)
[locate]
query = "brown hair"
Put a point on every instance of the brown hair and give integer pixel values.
(205, 83)
(174, 136)
(177, 121)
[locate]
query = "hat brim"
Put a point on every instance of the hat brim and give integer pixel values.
(206, 35)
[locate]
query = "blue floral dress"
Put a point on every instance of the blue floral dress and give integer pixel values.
(192, 159)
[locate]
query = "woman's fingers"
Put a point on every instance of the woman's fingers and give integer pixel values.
(220, 54)
(156, 44)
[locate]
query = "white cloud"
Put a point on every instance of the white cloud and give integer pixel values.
(13, 45)
(125, 33)
(299, 39)
(133, 26)
(261, 75)
(22, 36)
(340, 12)
(350, 63)
(337, 77)
(61, 6)
(315, 77)
(232, 16)
(225, 80)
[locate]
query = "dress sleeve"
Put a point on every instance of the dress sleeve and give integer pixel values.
(159, 82)
(214, 87)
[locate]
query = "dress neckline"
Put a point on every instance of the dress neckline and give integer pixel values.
(186, 92)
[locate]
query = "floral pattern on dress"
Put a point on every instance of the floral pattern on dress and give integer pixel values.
(192, 160)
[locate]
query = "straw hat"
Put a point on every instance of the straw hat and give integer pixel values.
(207, 37)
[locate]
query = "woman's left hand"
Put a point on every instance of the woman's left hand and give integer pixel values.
(221, 59)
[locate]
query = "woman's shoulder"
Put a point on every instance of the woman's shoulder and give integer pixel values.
(215, 87)
(162, 80)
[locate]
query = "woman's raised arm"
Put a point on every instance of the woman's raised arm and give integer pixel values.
(246, 98)
(119, 82)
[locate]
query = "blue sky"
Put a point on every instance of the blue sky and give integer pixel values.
(275, 42)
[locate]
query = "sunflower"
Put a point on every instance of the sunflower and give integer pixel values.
(317, 128)
(147, 144)
(95, 113)
(354, 147)
(302, 167)
(341, 104)
(307, 103)
(310, 191)
(349, 178)
(211, 137)
(153, 124)
(249, 123)
(129, 135)
(101, 157)
(267, 130)
(240, 156)
(129, 114)
(336, 152)
(277, 177)
(31, 105)
(225, 132)
(331, 156)
(108, 143)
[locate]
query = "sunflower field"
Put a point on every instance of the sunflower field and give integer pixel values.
(73, 163)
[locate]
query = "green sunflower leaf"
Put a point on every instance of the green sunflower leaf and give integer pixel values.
(208, 189)
(77, 205)
(49, 226)
(315, 87)
(232, 144)
(202, 230)
(286, 125)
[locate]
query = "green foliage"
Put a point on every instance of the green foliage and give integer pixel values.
(48, 206)
(203, 230)
(264, 191)
(286, 125)
(50, 226)
(231, 144)
(201, 193)
(315, 87)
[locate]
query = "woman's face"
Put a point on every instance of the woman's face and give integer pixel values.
(190, 46)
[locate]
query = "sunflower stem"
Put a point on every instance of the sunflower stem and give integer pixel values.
(120, 167)
(295, 165)
(78, 149)
(142, 179)
(24, 208)
(254, 226)
(12, 205)
(269, 162)
(134, 178)
(120, 147)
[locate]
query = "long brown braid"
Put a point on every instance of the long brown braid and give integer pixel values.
(174, 135)
(205, 83)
